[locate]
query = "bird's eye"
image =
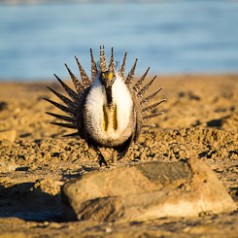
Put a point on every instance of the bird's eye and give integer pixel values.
(110, 76)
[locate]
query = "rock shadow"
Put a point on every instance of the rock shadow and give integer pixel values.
(25, 202)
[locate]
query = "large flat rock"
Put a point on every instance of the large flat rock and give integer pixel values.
(147, 191)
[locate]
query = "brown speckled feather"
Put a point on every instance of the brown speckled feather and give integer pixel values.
(78, 86)
(94, 70)
(103, 63)
(84, 77)
(131, 74)
(138, 84)
(122, 70)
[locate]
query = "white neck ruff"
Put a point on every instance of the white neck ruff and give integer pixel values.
(95, 101)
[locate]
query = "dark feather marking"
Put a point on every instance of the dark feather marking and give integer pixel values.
(111, 64)
(146, 100)
(64, 99)
(84, 77)
(62, 117)
(71, 134)
(146, 109)
(78, 86)
(67, 89)
(67, 125)
(123, 66)
(103, 63)
(142, 92)
(61, 107)
(152, 115)
(131, 74)
(94, 70)
(138, 84)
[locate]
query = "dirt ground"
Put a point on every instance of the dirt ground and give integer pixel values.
(200, 120)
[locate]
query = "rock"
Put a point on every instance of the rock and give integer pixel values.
(147, 191)
(48, 186)
(9, 135)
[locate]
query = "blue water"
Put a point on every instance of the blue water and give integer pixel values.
(171, 37)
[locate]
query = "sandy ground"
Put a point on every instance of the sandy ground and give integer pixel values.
(200, 120)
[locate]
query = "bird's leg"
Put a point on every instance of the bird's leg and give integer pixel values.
(122, 150)
(101, 158)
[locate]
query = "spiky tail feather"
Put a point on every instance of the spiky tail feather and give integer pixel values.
(139, 89)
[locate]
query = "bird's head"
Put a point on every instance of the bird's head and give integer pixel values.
(107, 78)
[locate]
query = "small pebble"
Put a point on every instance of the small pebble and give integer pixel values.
(9, 135)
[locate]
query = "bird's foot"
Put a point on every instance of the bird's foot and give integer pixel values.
(102, 160)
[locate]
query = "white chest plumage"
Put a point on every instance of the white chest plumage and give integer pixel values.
(109, 124)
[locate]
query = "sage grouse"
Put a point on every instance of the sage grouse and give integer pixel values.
(108, 110)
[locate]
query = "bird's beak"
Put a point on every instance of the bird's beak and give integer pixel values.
(108, 83)
(108, 79)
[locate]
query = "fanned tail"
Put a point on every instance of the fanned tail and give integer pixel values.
(146, 118)
(67, 89)
(138, 84)
(59, 106)
(72, 103)
(71, 135)
(67, 125)
(147, 112)
(131, 74)
(144, 109)
(123, 66)
(62, 117)
(152, 106)
(142, 92)
(103, 63)
(84, 77)
(111, 64)
(64, 99)
(94, 70)
(146, 100)
(77, 84)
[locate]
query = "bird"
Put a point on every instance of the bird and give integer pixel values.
(108, 109)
